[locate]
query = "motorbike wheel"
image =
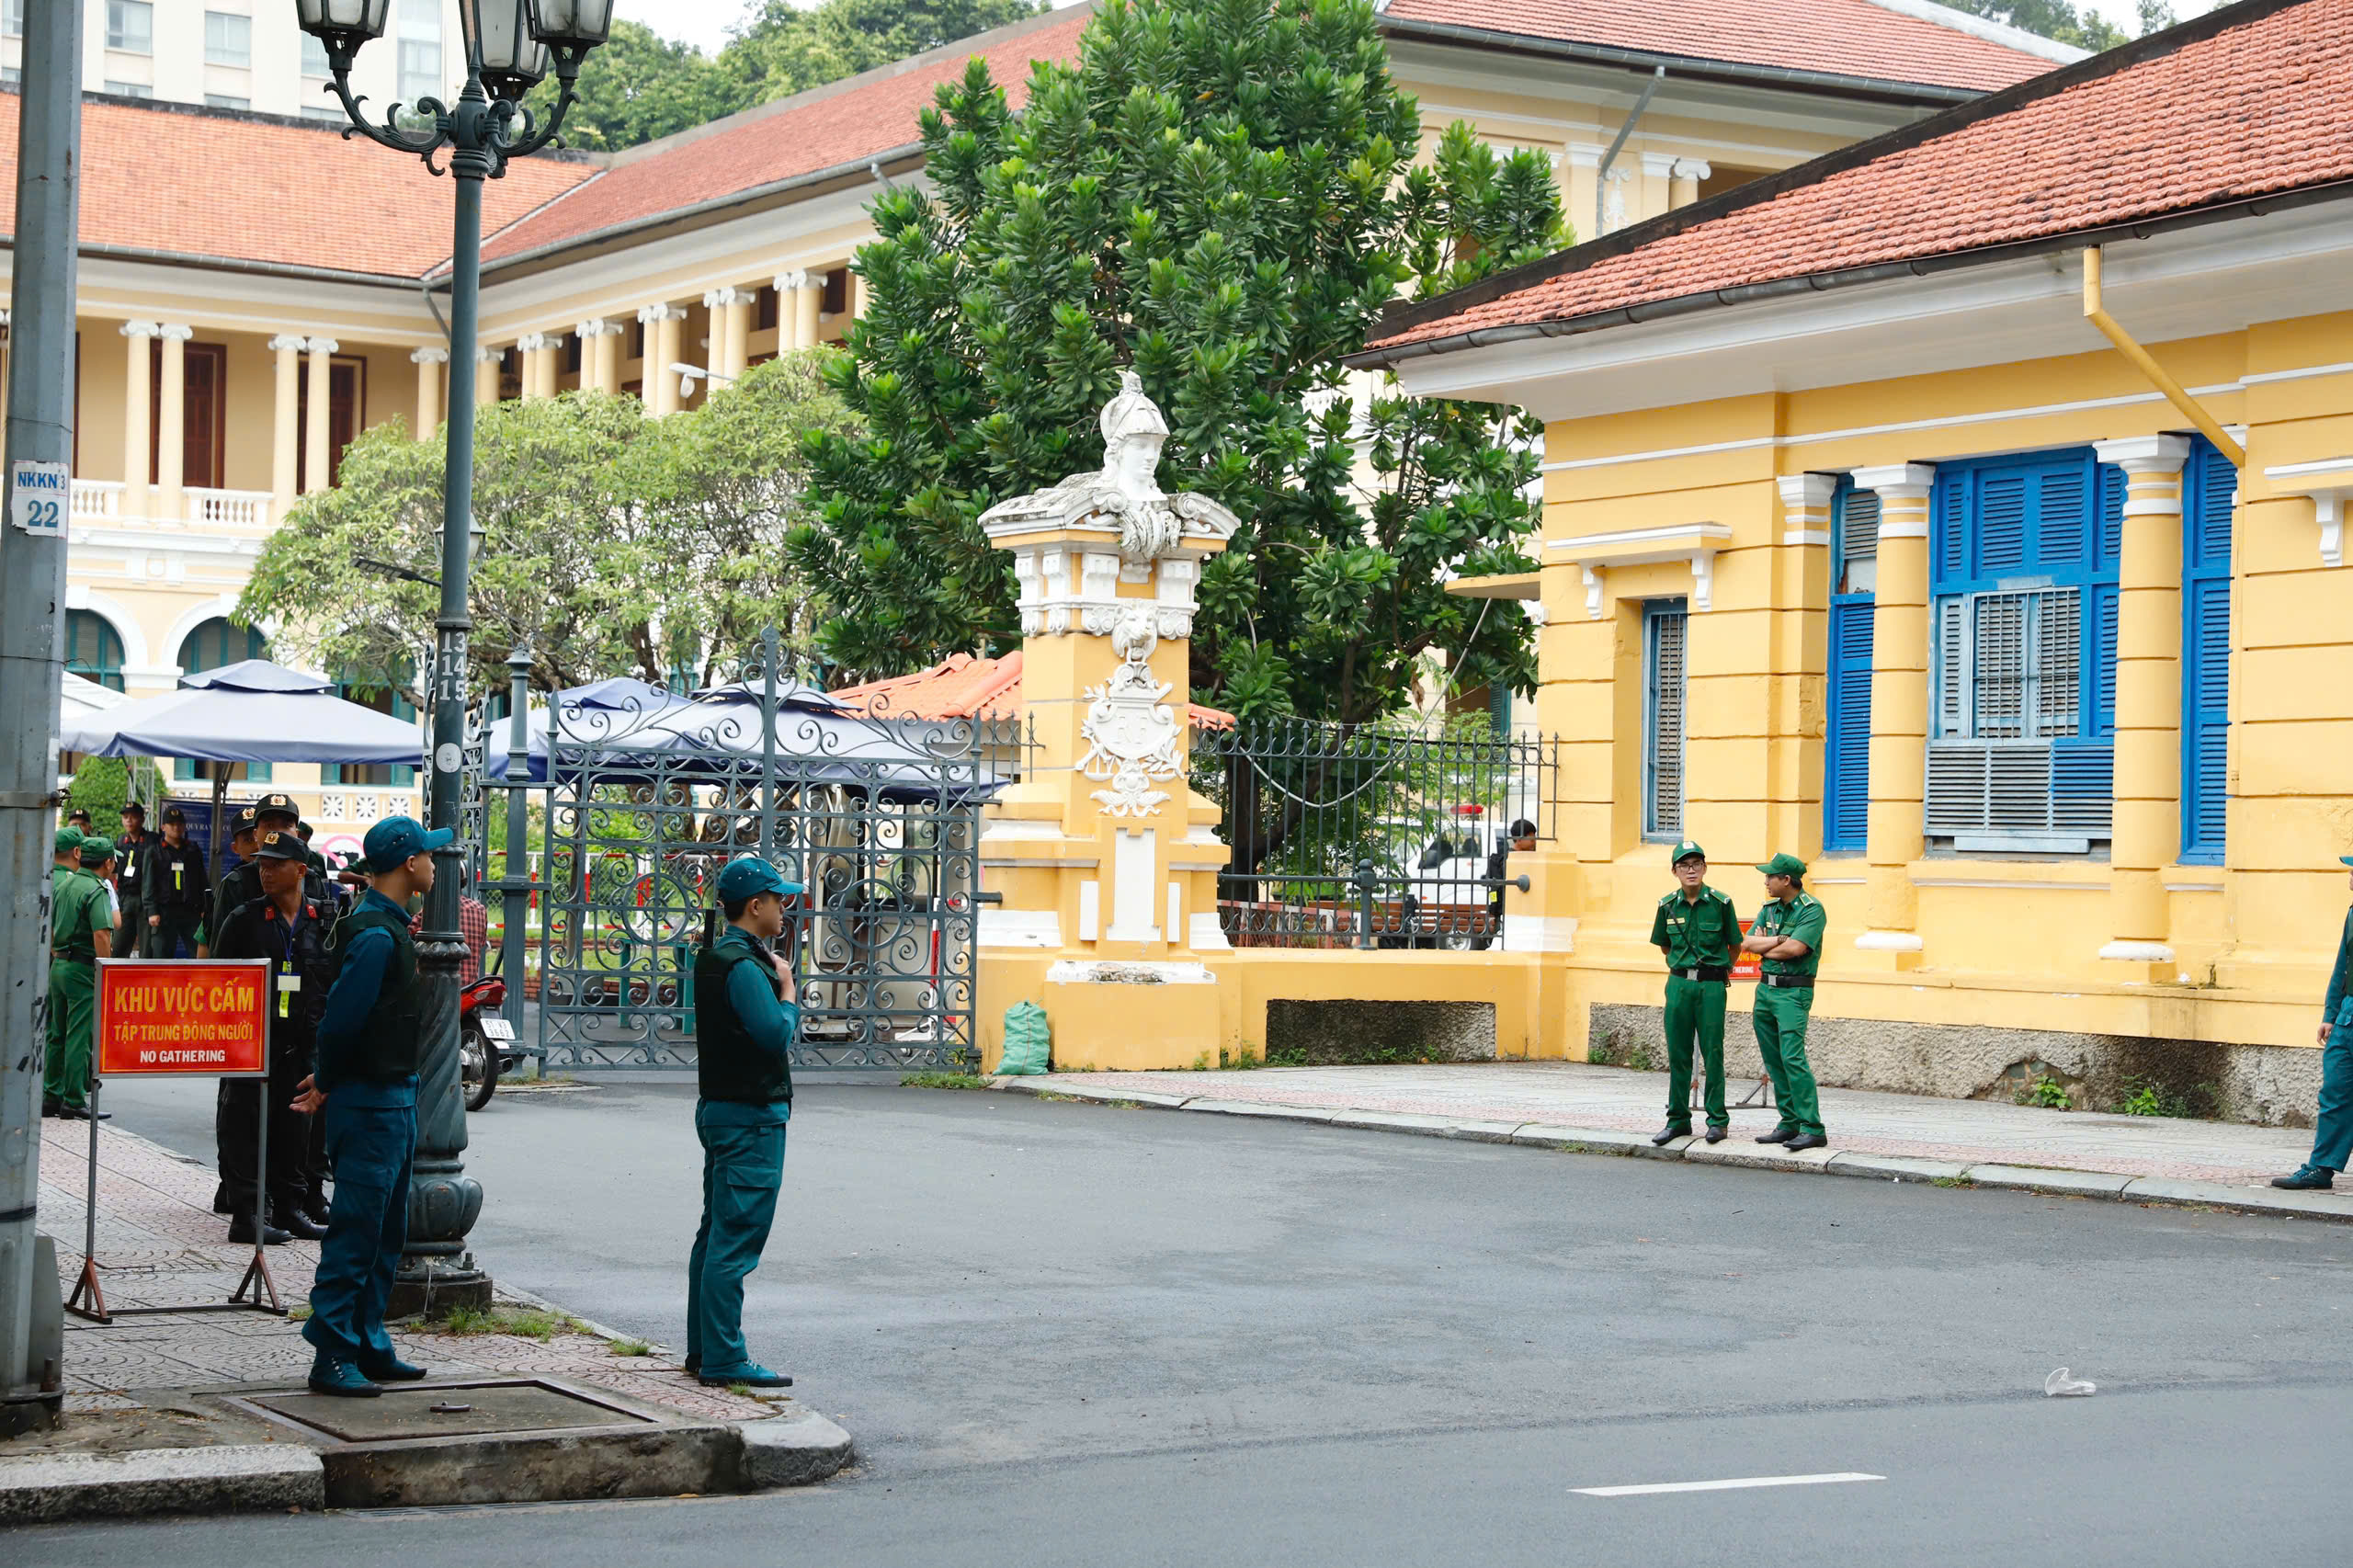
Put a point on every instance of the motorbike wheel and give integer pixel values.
(477, 1067)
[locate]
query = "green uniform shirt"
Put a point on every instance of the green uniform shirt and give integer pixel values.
(78, 911)
(1701, 933)
(1802, 917)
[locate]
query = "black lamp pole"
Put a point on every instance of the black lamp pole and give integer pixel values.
(508, 47)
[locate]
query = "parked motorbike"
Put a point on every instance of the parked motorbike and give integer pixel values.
(484, 1039)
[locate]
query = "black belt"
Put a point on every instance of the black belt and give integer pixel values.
(1789, 982)
(1705, 971)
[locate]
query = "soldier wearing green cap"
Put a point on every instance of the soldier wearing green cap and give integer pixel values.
(1697, 928)
(2332, 1123)
(81, 932)
(746, 1018)
(1787, 936)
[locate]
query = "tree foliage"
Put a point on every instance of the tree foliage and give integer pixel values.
(614, 543)
(1222, 195)
(640, 86)
(2081, 26)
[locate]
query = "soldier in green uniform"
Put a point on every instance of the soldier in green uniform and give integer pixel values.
(1787, 936)
(81, 931)
(746, 1018)
(2332, 1124)
(1698, 929)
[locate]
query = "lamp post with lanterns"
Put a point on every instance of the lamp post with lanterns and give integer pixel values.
(510, 45)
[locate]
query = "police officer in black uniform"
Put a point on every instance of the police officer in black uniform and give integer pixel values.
(290, 929)
(271, 813)
(174, 890)
(130, 847)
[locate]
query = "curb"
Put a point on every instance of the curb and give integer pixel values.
(246, 1478)
(792, 1451)
(2149, 1191)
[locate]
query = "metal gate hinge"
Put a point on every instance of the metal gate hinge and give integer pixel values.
(30, 801)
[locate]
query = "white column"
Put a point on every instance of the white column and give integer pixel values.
(731, 330)
(2146, 832)
(858, 296)
(171, 418)
(537, 349)
(799, 295)
(1580, 190)
(1683, 181)
(600, 355)
(285, 421)
(662, 333)
(428, 363)
(314, 430)
(486, 361)
(1895, 826)
(1658, 176)
(136, 413)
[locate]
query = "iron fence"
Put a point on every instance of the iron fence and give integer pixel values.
(1374, 835)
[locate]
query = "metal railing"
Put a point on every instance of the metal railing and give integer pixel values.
(1374, 835)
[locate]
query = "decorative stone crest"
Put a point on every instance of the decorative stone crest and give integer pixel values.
(1132, 736)
(1143, 527)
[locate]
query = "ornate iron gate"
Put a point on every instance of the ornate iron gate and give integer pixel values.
(878, 817)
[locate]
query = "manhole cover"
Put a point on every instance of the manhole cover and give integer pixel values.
(409, 1412)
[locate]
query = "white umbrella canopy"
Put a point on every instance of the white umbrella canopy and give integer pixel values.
(252, 711)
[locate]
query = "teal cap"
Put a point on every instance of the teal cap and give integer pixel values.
(68, 839)
(1783, 865)
(1685, 851)
(2345, 860)
(396, 840)
(748, 876)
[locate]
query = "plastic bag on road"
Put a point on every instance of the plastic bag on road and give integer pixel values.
(2061, 1384)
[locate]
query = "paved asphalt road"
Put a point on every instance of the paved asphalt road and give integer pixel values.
(1072, 1333)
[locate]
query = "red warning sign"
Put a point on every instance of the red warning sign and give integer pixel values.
(196, 1017)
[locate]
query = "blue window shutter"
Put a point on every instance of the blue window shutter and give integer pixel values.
(2064, 514)
(2099, 659)
(2112, 513)
(2209, 482)
(1847, 783)
(2001, 523)
(1951, 530)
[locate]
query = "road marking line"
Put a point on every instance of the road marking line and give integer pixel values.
(1725, 1485)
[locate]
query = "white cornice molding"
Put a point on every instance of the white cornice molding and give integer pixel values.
(598, 327)
(649, 315)
(2145, 454)
(176, 332)
(429, 357)
(2328, 481)
(1596, 555)
(288, 342)
(139, 329)
(322, 345)
(1896, 482)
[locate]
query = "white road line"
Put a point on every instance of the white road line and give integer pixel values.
(1724, 1485)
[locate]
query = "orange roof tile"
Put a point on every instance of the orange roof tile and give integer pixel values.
(1848, 37)
(2244, 102)
(184, 181)
(826, 128)
(964, 687)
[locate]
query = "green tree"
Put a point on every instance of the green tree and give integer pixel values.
(1222, 195)
(2081, 26)
(102, 784)
(781, 48)
(614, 543)
(640, 86)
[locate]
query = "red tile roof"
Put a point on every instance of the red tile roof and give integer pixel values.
(1847, 37)
(826, 128)
(969, 688)
(193, 182)
(2243, 102)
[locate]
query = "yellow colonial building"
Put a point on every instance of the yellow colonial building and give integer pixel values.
(1962, 512)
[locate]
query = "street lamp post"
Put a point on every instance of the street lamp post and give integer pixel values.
(509, 44)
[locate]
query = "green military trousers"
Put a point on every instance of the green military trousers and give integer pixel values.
(72, 1001)
(1695, 1007)
(1781, 1017)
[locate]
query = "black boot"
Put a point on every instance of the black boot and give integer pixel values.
(240, 1232)
(291, 1218)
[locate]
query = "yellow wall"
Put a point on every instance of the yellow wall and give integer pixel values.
(2004, 943)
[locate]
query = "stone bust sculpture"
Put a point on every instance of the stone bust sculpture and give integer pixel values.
(1153, 523)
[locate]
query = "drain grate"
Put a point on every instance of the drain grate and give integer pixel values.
(467, 1410)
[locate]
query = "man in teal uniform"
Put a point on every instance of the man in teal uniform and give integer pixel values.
(1787, 936)
(1697, 928)
(745, 1017)
(2332, 1123)
(81, 931)
(364, 1081)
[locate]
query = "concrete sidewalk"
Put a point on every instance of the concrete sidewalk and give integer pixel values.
(2143, 1158)
(181, 1411)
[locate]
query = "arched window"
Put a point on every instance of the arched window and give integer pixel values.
(93, 650)
(209, 647)
(382, 693)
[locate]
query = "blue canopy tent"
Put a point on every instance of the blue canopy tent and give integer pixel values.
(250, 711)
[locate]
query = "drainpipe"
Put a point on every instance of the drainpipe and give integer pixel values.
(2176, 393)
(1601, 175)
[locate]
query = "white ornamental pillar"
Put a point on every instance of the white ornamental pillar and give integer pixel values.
(285, 422)
(314, 433)
(137, 397)
(600, 355)
(662, 332)
(428, 363)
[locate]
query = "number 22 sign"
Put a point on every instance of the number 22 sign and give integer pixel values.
(39, 496)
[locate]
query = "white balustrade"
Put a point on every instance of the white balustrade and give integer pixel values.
(96, 500)
(229, 508)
